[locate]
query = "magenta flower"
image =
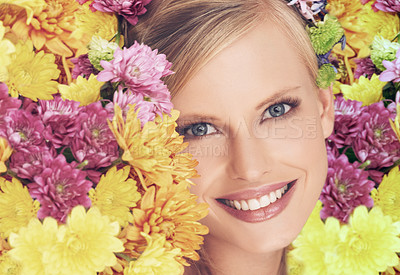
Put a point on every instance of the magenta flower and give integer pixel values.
(29, 165)
(83, 67)
(7, 103)
(387, 5)
(376, 142)
(392, 72)
(130, 9)
(23, 131)
(138, 68)
(347, 126)
(94, 142)
(61, 119)
(59, 188)
(346, 187)
(365, 67)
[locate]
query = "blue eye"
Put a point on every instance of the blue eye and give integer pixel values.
(199, 129)
(277, 110)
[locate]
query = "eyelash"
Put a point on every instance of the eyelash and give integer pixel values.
(292, 102)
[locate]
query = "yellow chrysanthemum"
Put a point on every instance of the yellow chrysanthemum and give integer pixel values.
(293, 265)
(89, 24)
(115, 194)
(388, 194)
(369, 243)
(315, 248)
(173, 212)
(32, 245)
(31, 74)
(6, 49)
(9, 266)
(27, 5)
(155, 259)
(151, 150)
(84, 90)
(51, 27)
(5, 153)
(368, 91)
(86, 244)
(17, 207)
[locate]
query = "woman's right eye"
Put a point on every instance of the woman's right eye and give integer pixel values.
(198, 130)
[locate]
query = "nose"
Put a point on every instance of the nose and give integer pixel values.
(248, 158)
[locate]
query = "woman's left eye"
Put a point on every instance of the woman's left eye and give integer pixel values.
(276, 110)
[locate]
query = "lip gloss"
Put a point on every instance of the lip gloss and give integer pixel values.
(264, 213)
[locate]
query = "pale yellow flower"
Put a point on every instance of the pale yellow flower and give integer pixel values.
(6, 49)
(32, 245)
(9, 266)
(32, 74)
(84, 90)
(388, 194)
(115, 194)
(368, 91)
(17, 207)
(396, 123)
(86, 244)
(156, 259)
(5, 153)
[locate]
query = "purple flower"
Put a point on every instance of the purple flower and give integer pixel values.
(376, 142)
(94, 142)
(59, 188)
(83, 67)
(392, 72)
(61, 119)
(387, 5)
(347, 126)
(7, 103)
(138, 68)
(346, 187)
(29, 165)
(130, 9)
(365, 67)
(23, 131)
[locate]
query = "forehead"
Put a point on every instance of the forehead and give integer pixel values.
(258, 64)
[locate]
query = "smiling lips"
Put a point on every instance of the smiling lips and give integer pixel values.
(258, 205)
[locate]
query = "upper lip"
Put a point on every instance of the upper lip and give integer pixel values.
(255, 192)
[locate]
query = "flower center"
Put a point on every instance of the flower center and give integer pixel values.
(96, 133)
(23, 136)
(135, 71)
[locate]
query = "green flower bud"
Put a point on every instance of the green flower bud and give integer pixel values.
(326, 75)
(383, 49)
(325, 34)
(100, 49)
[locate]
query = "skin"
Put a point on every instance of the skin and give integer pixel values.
(244, 147)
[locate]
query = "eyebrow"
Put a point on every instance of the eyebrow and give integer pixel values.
(279, 93)
(196, 118)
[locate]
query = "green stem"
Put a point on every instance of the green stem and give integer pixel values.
(125, 257)
(118, 35)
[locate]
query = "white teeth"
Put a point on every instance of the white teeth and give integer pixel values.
(244, 205)
(237, 205)
(254, 204)
(264, 201)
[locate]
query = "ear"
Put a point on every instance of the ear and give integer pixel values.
(326, 110)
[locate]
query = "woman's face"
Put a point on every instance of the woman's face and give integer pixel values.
(256, 124)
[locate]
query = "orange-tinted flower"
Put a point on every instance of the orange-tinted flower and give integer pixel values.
(5, 153)
(173, 212)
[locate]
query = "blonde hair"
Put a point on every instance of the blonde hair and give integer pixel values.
(192, 32)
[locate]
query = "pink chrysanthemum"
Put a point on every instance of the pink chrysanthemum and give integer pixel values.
(7, 103)
(376, 142)
(309, 8)
(59, 188)
(347, 127)
(154, 103)
(138, 68)
(365, 67)
(83, 67)
(130, 9)
(23, 131)
(29, 165)
(61, 119)
(392, 72)
(94, 142)
(387, 5)
(346, 187)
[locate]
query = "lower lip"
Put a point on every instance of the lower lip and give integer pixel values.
(264, 213)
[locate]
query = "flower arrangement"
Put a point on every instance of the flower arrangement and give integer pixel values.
(93, 179)
(355, 227)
